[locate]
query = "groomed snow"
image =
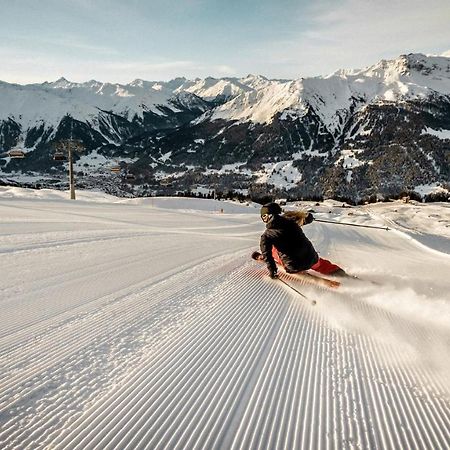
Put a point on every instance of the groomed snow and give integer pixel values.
(143, 323)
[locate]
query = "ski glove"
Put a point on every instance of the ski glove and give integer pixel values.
(309, 218)
(273, 273)
(256, 256)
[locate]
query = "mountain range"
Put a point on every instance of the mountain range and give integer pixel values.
(355, 134)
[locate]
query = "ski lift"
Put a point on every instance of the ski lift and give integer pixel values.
(16, 154)
(59, 156)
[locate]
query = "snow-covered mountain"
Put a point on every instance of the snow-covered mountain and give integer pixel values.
(354, 133)
(49, 103)
(410, 77)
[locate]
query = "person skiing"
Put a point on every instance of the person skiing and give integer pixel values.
(284, 242)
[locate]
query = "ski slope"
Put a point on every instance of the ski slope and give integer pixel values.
(144, 324)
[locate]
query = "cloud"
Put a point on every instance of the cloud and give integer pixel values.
(385, 23)
(126, 71)
(357, 33)
(129, 66)
(224, 70)
(24, 68)
(84, 46)
(41, 44)
(317, 39)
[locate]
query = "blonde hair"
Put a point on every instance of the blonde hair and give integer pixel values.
(298, 216)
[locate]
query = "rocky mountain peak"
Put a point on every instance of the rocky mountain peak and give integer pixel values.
(61, 83)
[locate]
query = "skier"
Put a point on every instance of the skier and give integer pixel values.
(284, 242)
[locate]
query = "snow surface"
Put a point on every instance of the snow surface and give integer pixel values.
(349, 159)
(143, 323)
(46, 104)
(432, 188)
(281, 174)
(441, 134)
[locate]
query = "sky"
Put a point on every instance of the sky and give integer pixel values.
(120, 41)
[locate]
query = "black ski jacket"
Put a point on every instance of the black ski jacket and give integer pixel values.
(294, 248)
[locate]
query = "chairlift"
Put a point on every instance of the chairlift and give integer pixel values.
(16, 154)
(59, 156)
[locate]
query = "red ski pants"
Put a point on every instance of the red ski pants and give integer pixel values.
(322, 266)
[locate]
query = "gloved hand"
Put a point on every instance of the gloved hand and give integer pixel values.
(309, 218)
(273, 273)
(257, 256)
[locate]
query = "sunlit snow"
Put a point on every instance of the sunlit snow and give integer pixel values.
(441, 134)
(144, 323)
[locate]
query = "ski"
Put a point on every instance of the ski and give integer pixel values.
(306, 277)
(309, 278)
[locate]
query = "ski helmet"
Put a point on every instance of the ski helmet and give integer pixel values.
(270, 210)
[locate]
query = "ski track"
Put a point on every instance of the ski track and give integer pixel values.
(213, 355)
